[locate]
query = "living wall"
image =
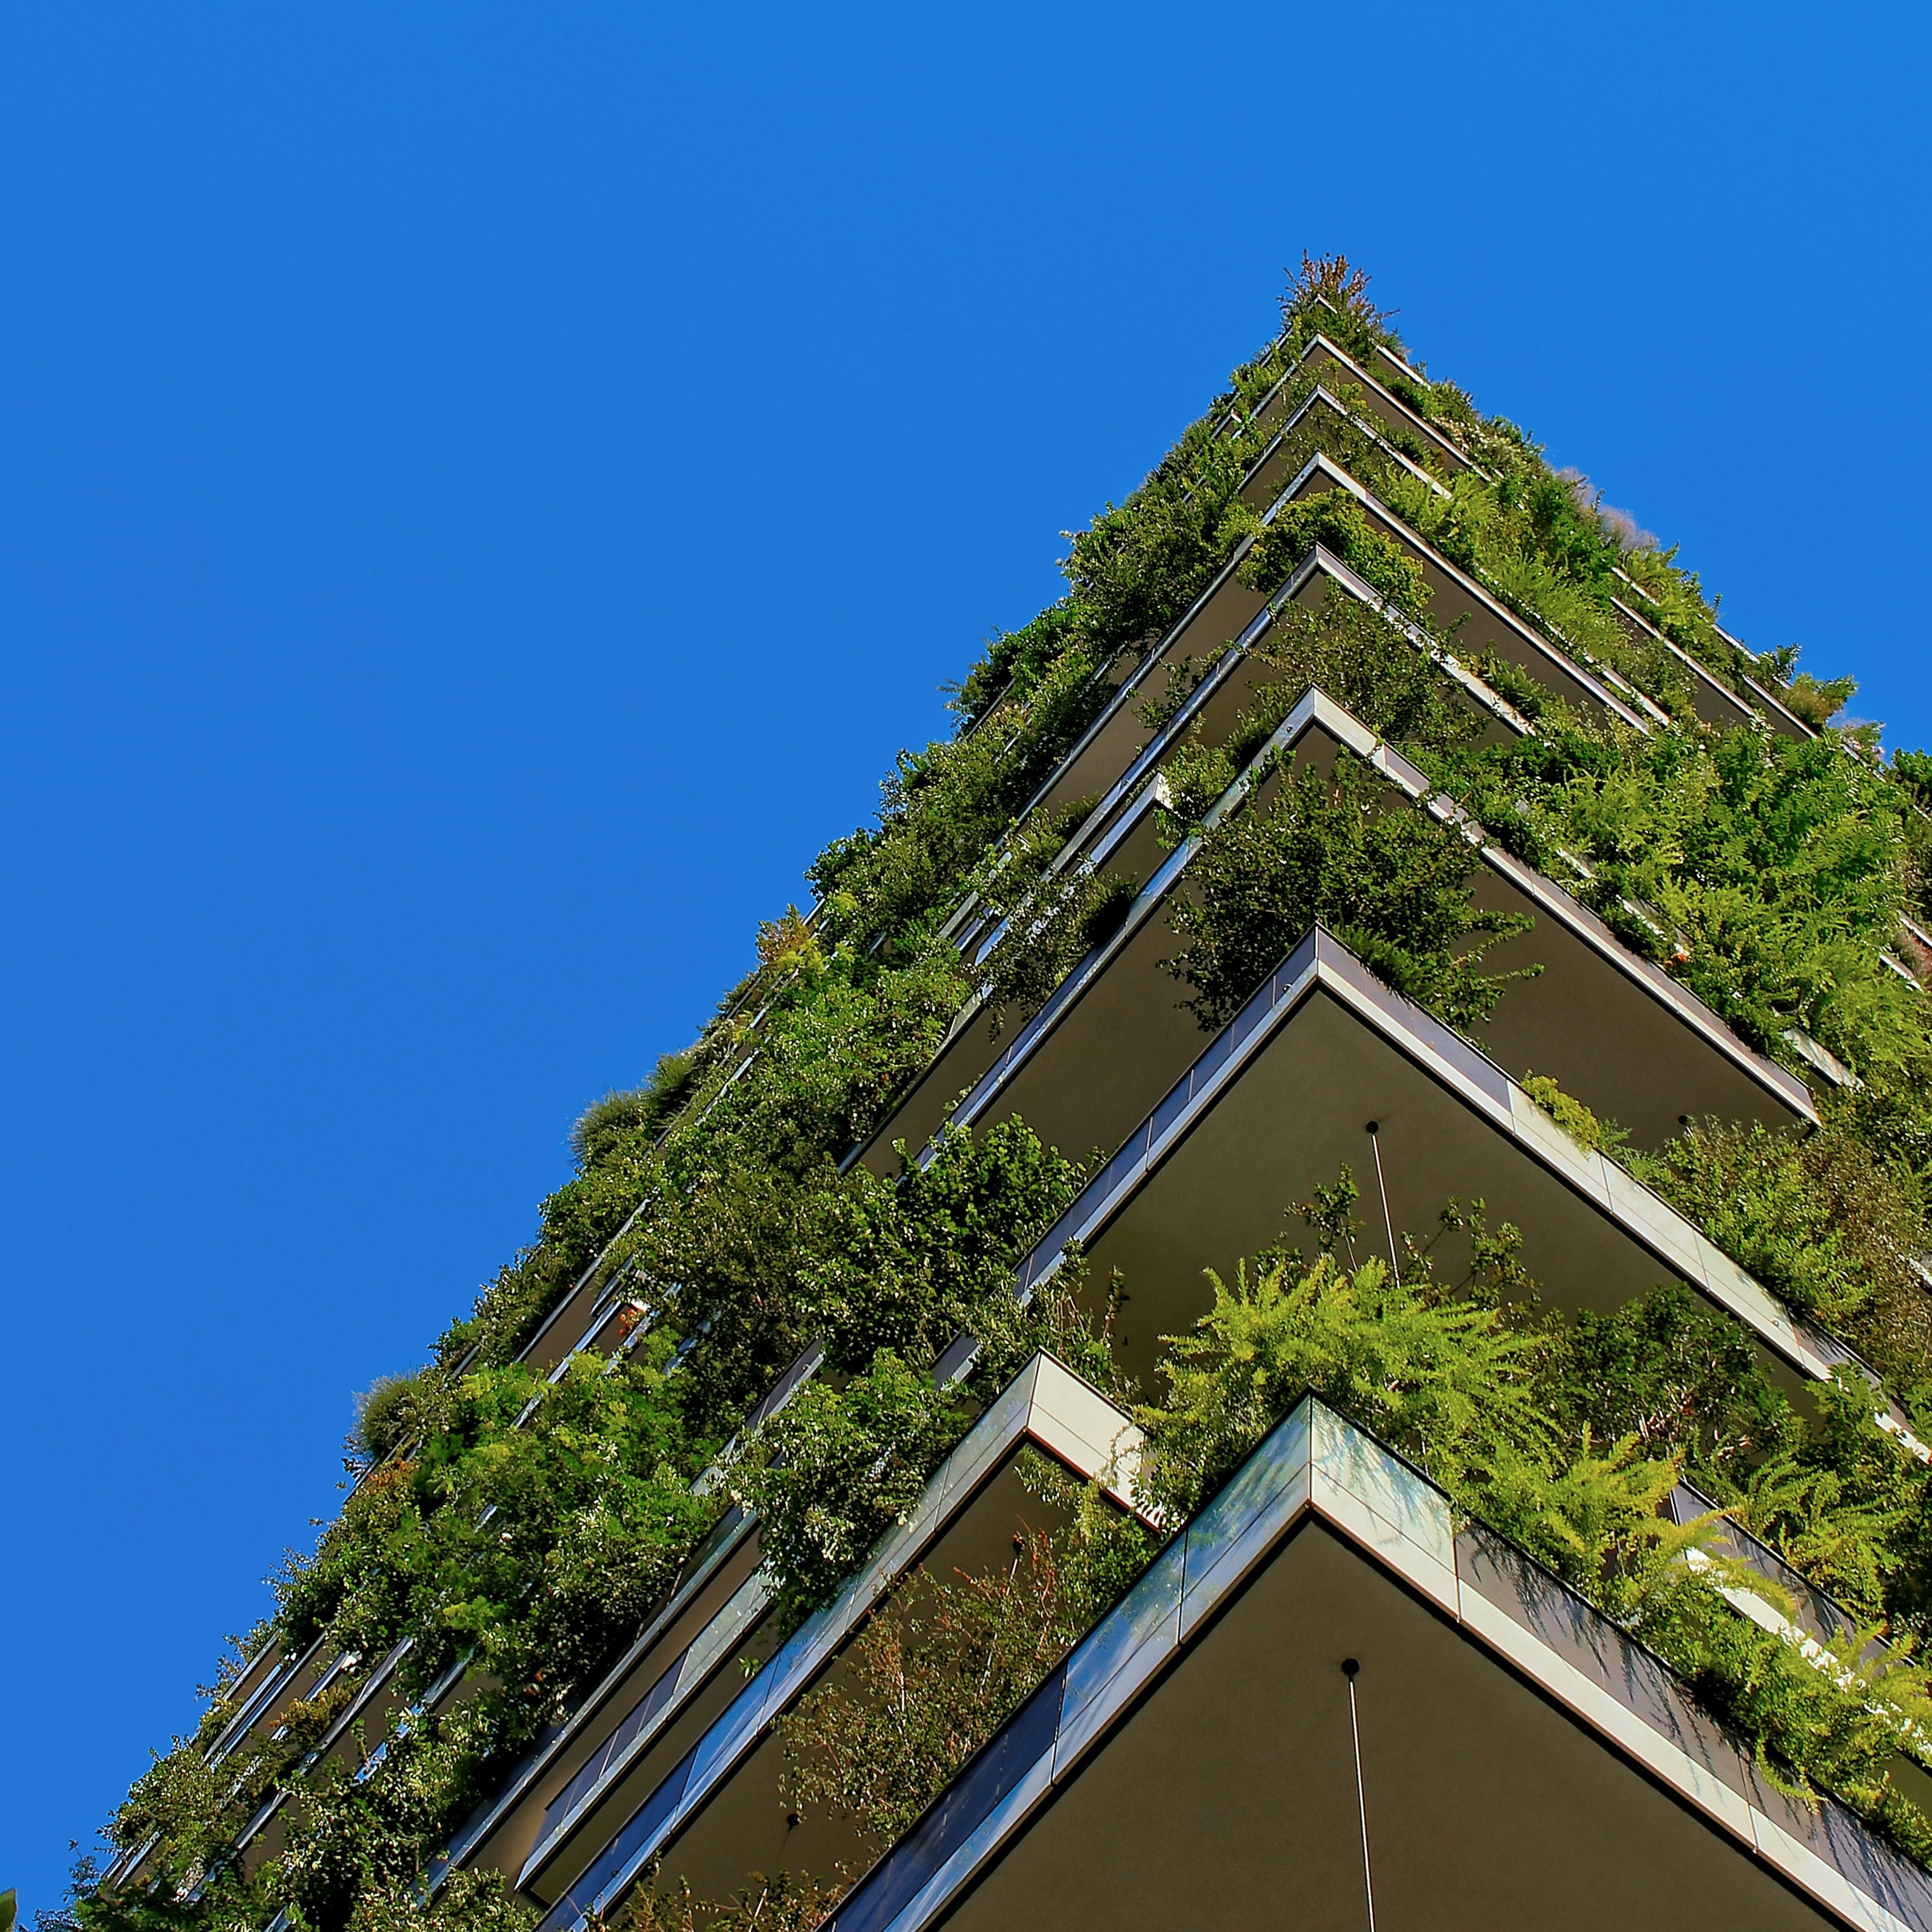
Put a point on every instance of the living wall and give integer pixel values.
(515, 1530)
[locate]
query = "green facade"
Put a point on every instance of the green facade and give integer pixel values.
(1415, 955)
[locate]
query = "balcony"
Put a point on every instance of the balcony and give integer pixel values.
(1211, 709)
(1280, 1098)
(666, 1688)
(1377, 413)
(1716, 703)
(1334, 367)
(277, 1684)
(1217, 627)
(1479, 620)
(1321, 410)
(707, 1807)
(1612, 1029)
(1522, 1762)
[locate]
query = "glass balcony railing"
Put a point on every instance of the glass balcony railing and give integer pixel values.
(245, 1720)
(626, 1852)
(714, 1644)
(700, 1567)
(1008, 1765)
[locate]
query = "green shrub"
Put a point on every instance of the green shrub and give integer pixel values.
(944, 1661)
(1670, 1371)
(1491, 1409)
(935, 1672)
(1392, 884)
(1819, 1221)
(834, 1468)
(621, 1124)
(1570, 1114)
(1447, 1381)
(1336, 521)
(1818, 704)
(392, 1409)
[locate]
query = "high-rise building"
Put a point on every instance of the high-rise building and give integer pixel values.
(1302, 1298)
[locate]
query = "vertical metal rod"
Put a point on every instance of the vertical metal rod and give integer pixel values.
(1349, 1667)
(1388, 1222)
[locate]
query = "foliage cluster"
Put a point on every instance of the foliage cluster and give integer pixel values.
(932, 1676)
(946, 1660)
(1050, 915)
(1769, 873)
(1568, 1438)
(1343, 648)
(1394, 884)
(1822, 1223)
(1335, 521)
(532, 1526)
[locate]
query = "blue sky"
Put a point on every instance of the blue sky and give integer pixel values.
(485, 491)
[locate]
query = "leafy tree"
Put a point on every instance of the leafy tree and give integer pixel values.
(1392, 884)
(1673, 1374)
(934, 1674)
(1820, 1221)
(833, 1468)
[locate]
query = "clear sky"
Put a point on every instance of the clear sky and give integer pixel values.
(484, 491)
